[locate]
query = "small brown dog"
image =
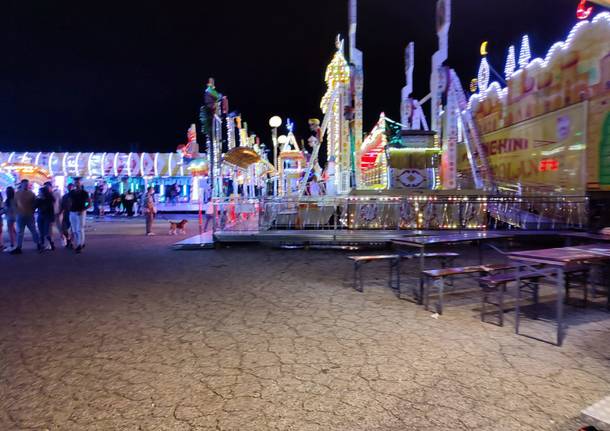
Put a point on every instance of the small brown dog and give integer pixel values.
(176, 227)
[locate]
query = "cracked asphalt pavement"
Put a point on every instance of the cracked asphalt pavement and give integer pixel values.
(131, 335)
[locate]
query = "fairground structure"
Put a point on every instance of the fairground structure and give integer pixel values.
(530, 150)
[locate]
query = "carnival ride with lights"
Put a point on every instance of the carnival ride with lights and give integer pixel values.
(529, 153)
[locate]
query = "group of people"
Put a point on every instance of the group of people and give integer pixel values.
(40, 214)
(125, 203)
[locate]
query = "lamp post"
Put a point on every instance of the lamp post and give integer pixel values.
(282, 140)
(274, 123)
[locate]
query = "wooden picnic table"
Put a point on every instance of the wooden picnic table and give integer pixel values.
(421, 242)
(555, 261)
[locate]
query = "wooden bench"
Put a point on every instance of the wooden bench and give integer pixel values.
(431, 276)
(446, 259)
(393, 259)
(496, 285)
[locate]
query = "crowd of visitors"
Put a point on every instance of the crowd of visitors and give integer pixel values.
(107, 200)
(51, 217)
(43, 214)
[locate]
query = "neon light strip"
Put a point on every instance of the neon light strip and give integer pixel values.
(23, 158)
(51, 163)
(76, 168)
(116, 161)
(169, 164)
(129, 164)
(538, 62)
(63, 164)
(142, 165)
(155, 168)
(10, 157)
(89, 164)
(37, 159)
(103, 165)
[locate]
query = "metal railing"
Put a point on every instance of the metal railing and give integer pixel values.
(422, 211)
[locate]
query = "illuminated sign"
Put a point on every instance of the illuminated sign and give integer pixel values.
(548, 165)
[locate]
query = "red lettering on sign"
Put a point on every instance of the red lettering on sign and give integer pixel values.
(548, 165)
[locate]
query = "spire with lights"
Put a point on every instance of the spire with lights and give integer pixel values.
(510, 66)
(524, 53)
(483, 76)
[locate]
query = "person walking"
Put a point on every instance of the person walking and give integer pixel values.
(314, 187)
(25, 201)
(209, 215)
(115, 202)
(57, 212)
(96, 200)
(46, 215)
(66, 205)
(149, 209)
(80, 201)
(10, 212)
(128, 202)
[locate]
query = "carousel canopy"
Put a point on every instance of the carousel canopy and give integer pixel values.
(292, 154)
(242, 157)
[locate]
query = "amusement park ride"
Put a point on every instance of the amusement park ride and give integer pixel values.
(533, 151)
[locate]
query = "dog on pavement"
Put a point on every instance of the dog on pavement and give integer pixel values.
(177, 226)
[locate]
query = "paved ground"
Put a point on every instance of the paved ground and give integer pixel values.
(131, 335)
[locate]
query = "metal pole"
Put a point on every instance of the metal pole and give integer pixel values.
(274, 139)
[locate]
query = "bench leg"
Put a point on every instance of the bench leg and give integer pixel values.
(501, 290)
(483, 301)
(536, 293)
(398, 276)
(358, 285)
(419, 297)
(439, 303)
(586, 288)
(426, 293)
(560, 281)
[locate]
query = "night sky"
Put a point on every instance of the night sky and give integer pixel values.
(103, 76)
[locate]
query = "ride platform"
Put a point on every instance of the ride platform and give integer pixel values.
(197, 242)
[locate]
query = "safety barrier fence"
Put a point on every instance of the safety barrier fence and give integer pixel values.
(409, 212)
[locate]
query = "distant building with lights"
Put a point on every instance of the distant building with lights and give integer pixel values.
(120, 171)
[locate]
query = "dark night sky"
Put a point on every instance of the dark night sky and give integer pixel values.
(129, 75)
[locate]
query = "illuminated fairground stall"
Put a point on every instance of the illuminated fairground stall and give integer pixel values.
(121, 171)
(393, 158)
(13, 173)
(547, 131)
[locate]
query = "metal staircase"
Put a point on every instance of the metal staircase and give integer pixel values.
(477, 155)
(316, 150)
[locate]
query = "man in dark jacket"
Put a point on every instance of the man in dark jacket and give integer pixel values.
(25, 201)
(80, 201)
(66, 205)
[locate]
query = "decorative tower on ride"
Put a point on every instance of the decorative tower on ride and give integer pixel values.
(334, 102)
(357, 87)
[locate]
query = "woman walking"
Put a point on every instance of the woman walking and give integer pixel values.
(46, 215)
(10, 208)
(149, 209)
